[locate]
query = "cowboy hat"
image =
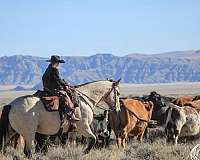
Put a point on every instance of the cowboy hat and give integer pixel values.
(56, 58)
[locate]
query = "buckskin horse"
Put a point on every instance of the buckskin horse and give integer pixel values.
(26, 115)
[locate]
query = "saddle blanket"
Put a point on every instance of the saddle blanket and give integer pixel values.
(51, 103)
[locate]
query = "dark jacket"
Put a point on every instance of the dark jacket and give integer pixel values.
(51, 79)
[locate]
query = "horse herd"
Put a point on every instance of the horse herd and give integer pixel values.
(180, 117)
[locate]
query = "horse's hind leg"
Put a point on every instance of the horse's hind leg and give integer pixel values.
(17, 141)
(72, 138)
(42, 141)
(29, 144)
(14, 140)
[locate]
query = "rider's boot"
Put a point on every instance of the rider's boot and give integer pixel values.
(72, 118)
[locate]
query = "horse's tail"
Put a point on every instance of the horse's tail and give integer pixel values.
(4, 123)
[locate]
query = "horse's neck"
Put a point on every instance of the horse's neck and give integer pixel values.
(88, 101)
(96, 90)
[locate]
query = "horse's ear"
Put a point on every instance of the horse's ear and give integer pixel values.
(117, 82)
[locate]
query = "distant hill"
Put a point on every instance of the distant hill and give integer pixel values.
(19, 88)
(38, 86)
(133, 68)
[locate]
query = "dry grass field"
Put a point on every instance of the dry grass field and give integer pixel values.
(154, 148)
(170, 89)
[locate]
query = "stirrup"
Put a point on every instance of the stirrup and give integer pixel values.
(72, 118)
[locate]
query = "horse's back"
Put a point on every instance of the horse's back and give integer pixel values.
(28, 113)
(142, 110)
(26, 102)
(181, 101)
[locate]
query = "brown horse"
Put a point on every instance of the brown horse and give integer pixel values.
(194, 104)
(181, 101)
(131, 120)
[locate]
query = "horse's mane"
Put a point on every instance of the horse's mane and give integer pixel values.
(81, 85)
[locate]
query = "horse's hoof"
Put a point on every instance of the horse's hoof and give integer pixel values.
(16, 158)
(86, 152)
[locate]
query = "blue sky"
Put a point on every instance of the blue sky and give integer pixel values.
(86, 27)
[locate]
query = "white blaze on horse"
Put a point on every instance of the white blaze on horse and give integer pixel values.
(181, 122)
(26, 115)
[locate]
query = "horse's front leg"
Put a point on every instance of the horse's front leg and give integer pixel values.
(127, 129)
(119, 141)
(91, 144)
(86, 131)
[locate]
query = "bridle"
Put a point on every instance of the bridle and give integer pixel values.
(96, 103)
(115, 97)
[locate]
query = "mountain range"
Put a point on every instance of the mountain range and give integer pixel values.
(133, 68)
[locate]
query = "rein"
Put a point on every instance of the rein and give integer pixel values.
(101, 107)
(96, 104)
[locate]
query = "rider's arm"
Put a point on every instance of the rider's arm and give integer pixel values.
(56, 76)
